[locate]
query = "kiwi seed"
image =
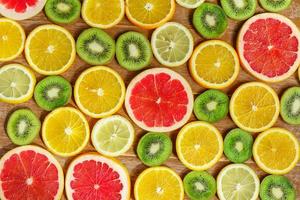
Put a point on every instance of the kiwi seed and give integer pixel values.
(239, 9)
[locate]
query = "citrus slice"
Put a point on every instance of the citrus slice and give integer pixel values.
(112, 136)
(254, 107)
(149, 14)
(16, 83)
(65, 131)
(172, 44)
(214, 64)
(91, 176)
(158, 183)
(12, 39)
(276, 151)
(50, 49)
(237, 181)
(99, 91)
(199, 140)
(190, 3)
(102, 13)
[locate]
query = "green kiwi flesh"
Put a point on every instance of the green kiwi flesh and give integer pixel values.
(95, 46)
(23, 126)
(63, 11)
(133, 51)
(210, 20)
(52, 92)
(154, 148)
(275, 5)
(290, 106)
(199, 185)
(239, 9)
(275, 187)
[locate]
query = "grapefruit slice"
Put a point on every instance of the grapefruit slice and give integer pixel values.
(159, 100)
(21, 9)
(30, 172)
(269, 47)
(91, 176)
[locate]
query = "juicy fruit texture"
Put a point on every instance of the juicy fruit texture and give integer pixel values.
(275, 5)
(158, 183)
(290, 106)
(52, 92)
(172, 44)
(274, 187)
(254, 107)
(149, 14)
(95, 46)
(159, 100)
(194, 141)
(200, 185)
(99, 92)
(65, 131)
(276, 143)
(211, 106)
(238, 145)
(91, 176)
(239, 10)
(274, 55)
(23, 126)
(210, 20)
(12, 39)
(16, 83)
(63, 11)
(30, 172)
(237, 181)
(133, 51)
(50, 49)
(190, 3)
(154, 148)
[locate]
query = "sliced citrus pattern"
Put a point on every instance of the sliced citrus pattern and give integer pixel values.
(190, 3)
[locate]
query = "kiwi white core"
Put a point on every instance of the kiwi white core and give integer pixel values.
(295, 108)
(22, 126)
(210, 20)
(133, 51)
(211, 105)
(95, 47)
(277, 192)
(199, 186)
(148, 6)
(63, 7)
(53, 93)
(239, 146)
(154, 148)
(239, 3)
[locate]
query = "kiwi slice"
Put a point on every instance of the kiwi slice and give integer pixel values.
(133, 51)
(23, 126)
(63, 11)
(210, 20)
(211, 106)
(275, 5)
(290, 106)
(239, 9)
(199, 185)
(52, 92)
(95, 46)
(154, 148)
(238, 145)
(275, 187)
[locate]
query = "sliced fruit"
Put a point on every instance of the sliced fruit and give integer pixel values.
(190, 3)
(254, 107)
(290, 106)
(149, 14)
(50, 49)
(102, 13)
(159, 100)
(239, 10)
(158, 183)
(65, 131)
(30, 172)
(112, 136)
(16, 83)
(91, 176)
(274, 55)
(275, 5)
(276, 151)
(214, 64)
(199, 140)
(99, 92)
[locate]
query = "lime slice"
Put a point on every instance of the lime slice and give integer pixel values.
(172, 44)
(113, 136)
(190, 3)
(237, 181)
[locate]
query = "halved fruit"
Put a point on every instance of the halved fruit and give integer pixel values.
(190, 3)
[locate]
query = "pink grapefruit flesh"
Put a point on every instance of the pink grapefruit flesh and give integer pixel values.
(269, 47)
(30, 172)
(159, 100)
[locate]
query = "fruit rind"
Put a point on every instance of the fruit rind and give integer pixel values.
(190, 6)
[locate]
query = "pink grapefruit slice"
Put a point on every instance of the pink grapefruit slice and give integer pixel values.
(269, 47)
(159, 100)
(30, 172)
(91, 176)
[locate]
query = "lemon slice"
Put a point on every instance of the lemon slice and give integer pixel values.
(190, 3)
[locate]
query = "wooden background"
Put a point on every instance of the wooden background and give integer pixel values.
(135, 167)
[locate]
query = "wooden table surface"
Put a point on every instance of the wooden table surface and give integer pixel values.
(135, 167)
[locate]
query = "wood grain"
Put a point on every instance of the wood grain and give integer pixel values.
(130, 159)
